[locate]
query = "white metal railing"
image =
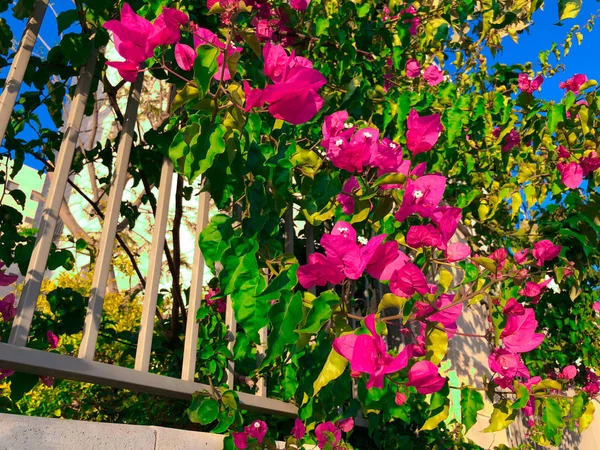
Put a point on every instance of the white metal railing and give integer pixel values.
(16, 356)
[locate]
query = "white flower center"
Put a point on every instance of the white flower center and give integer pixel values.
(256, 425)
(417, 194)
(367, 135)
(392, 145)
(343, 230)
(339, 142)
(362, 240)
(348, 125)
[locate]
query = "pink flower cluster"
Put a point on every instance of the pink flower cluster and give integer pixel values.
(136, 38)
(510, 141)
(256, 430)
(572, 172)
(432, 74)
(530, 85)
(293, 95)
(354, 149)
(219, 304)
(574, 83)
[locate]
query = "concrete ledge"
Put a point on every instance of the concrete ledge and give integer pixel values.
(40, 433)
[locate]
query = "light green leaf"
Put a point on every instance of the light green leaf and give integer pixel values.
(333, 368)
(502, 417)
(391, 301)
(436, 343)
(488, 263)
(320, 312)
(285, 315)
(587, 417)
(522, 397)
(568, 9)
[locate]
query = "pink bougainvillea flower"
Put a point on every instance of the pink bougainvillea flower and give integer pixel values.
(499, 257)
(320, 270)
(345, 198)
(202, 36)
(132, 35)
(507, 364)
(240, 440)
(514, 308)
(5, 373)
(590, 163)
(408, 280)
(400, 398)
(254, 97)
(511, 140)
(423, 236)
(574, 83)
(569, 372)
(423, 132)
(344, 257)
(414, 21)
(413, 69)
(185, 56)
(446, 218)
(167, 27)
(388, 158)
(346, 425)
(53, 339)
(257, 430)
(336, 126)
(457, 252)
(521, 256)
(368, 354)
(299, 430)
(342, 244)
(529, 85)
(571, 174)
(519, 335)
(299, 5)
(446, 314)
(327, 433)
(386, 260)
(422, 196)
(433, 75)
(47, 381)
(596, 306)
(424, 376)
(563, 152)
(7, 307)
(5, 279)
(127, 69)
(293, 97)
(545, 250)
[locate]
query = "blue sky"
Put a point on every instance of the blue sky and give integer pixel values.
(582, 59)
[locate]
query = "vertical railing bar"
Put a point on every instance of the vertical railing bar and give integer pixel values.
(19, 65)
(144, 347)
(191, 327)
(45, 235)
(231, 325)
(109, 227)
(261, 383)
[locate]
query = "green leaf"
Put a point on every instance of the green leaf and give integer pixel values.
(568, 9)
(285, 315)
(555, 116)
(436, 343)
(66, 18)
(439, 409)
(230, 400)
(205, 67)
(21, 384)
(522, 397)
(333, 368)
(502, 417)
(320, 312)
(488, 263)
(242, 280)
(445, 280)
(391, 301)
(215, 238)
(471, 401)
(203, 410)
(207, 146)
(553, 422)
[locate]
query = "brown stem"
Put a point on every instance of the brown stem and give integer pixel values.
(178, 299)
